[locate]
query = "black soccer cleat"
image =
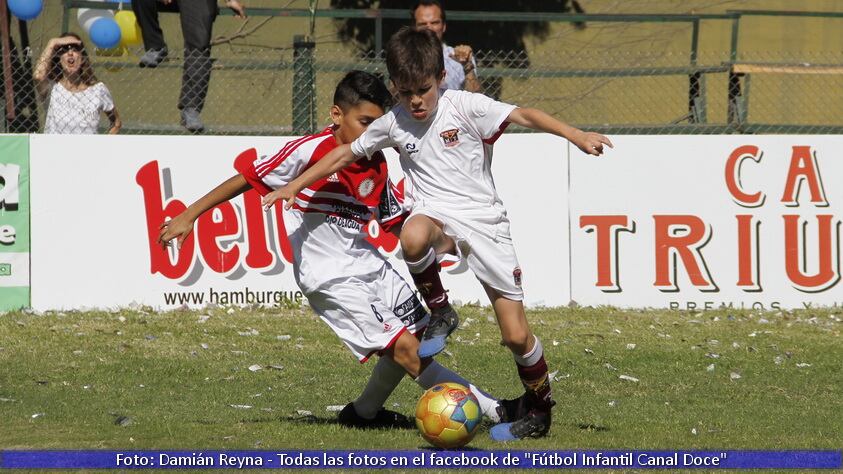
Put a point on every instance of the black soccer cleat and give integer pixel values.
(535, 424)
(522, 417)
(443, 321)
(384, 418)
(515, 409)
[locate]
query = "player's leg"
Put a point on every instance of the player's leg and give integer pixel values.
(368, 411)
(402, 352)
(394, 305)
(421, 239)
(532, 370)
(353, 310)
(427, 373)
(495, 263)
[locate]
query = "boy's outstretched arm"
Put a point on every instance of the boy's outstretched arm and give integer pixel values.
(335, 160)
(180, 226)
(589, 142)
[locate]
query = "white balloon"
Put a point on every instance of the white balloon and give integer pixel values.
(87, 17)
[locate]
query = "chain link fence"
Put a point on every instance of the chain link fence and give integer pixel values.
(288, 89)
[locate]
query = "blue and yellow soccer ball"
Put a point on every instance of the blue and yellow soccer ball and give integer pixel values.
(448, 415)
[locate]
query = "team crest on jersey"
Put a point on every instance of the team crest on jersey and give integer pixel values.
(366, 187)
(450, 137)
(516, 276)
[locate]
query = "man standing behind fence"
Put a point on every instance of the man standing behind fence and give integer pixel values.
(460, 67)
(197, 18)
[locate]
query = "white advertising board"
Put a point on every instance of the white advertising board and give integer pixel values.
(697, 222)
(97, 202)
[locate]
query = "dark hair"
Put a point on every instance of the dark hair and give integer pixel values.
(426, 3)
(359, 86)
(86, 72)
(413, 56)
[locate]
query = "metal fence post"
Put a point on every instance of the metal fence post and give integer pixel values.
(304, 86)
(696, 89)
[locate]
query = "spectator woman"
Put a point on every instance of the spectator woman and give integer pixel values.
(74, 96)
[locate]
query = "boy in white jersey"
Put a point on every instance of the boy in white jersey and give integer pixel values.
(346, 280)
(445, 146)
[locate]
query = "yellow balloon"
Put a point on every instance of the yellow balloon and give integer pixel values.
(130, 34)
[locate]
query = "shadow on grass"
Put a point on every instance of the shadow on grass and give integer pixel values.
(433, 448)
(315, 420)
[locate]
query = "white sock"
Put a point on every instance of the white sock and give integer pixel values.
(531, 358)
(421, 264)
(436, 373)
(385, 377)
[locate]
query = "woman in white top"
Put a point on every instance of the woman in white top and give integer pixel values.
(75, 97)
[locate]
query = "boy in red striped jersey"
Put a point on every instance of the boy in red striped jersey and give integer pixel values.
(347, 281)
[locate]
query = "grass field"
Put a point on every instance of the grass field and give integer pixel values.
(138, 379)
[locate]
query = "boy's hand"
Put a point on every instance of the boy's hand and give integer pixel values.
(178, 227)
(591, 143)
(284, 193)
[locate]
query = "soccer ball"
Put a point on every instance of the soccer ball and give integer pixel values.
(448, 415)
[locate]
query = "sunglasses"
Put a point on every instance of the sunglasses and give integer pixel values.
(68, 47)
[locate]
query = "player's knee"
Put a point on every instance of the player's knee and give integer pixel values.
(517, 341)
(415, 239)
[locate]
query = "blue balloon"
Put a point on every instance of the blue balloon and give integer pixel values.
(25, 9)
(105, 33)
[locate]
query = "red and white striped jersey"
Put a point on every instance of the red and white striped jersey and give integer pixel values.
(447, 158)
(327, 226)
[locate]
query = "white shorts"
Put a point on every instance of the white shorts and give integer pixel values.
(483, 240)
(369, 313)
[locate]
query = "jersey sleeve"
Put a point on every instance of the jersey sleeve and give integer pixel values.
(376, 137)
(488, 115)
(268, 172)
(391, 209)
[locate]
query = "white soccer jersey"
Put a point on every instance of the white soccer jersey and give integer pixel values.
(447, 162)
(446, 159)
(327, 229)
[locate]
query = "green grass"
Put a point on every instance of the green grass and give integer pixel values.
(84, 371)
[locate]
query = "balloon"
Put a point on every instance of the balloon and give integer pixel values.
(130, 34)
(105, 33)
(25, 9)
(87, 17)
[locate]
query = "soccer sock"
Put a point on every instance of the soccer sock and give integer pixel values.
(386, 375)
(425, 273)
(532, 369)
(435, 373)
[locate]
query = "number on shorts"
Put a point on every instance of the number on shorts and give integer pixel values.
(377, 315)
